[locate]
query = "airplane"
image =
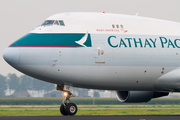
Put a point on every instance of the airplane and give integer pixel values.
(138, 57)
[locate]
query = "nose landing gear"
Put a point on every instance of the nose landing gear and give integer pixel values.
(66, 107)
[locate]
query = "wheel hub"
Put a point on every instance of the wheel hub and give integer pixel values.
(72, 109)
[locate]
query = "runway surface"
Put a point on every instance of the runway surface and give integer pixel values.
(118, 117)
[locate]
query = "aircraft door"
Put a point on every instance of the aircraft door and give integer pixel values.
(99, 52)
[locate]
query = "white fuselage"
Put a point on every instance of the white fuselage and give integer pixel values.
(115, 52)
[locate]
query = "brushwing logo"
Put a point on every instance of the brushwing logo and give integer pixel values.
(85, 41)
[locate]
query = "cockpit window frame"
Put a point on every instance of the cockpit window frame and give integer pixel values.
(56, 22)
(48, 24)
(53, 22)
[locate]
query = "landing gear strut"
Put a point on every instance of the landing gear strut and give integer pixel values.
(66, 107)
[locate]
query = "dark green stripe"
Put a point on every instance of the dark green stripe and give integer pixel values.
(52, 39)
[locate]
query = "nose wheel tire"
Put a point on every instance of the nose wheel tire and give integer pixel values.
(62, 109)
(71, 109)
(68, 109)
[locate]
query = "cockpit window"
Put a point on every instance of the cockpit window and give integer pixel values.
(53, 22)
(48, 22)
(56, 23)
(61, 22)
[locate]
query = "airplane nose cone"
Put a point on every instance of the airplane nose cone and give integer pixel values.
(11, 55)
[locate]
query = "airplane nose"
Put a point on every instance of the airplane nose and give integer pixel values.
(11, 55)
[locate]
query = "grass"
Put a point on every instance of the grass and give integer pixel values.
(129, 112)
(129, 106)
(88, 106)
(86, 110)
(89, 112)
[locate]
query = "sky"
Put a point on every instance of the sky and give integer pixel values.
(18, 17)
